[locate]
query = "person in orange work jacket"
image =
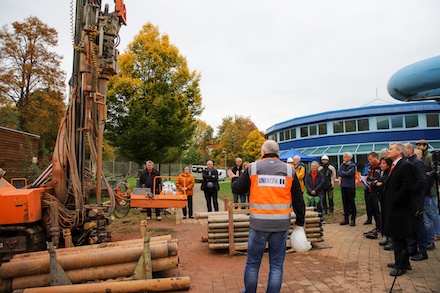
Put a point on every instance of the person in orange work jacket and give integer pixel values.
(185, 183)
(273, 187)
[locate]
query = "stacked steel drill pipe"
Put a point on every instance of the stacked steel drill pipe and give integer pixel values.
(219, 236)
(88, 263)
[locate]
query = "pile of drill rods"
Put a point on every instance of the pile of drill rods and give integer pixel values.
(218, 229)
(87, 263)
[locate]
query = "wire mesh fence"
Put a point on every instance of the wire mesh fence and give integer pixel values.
(120, 170)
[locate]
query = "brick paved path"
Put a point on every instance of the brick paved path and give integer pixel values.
(354, 263)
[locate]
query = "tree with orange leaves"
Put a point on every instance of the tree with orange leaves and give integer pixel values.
(232, 135)
(27, 65)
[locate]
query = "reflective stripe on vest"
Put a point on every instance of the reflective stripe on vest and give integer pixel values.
(270, 193)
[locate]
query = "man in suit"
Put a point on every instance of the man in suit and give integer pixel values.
(420, 237)
(397, 210)
(210, 186)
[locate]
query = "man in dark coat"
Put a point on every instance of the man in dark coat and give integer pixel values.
(147, 181)
(347, 172)
(420, 237)
(397, 211)
(314, 181)
(210, 186)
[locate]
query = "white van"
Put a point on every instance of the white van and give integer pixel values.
(197, 170)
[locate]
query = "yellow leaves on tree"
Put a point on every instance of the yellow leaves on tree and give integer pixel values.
(203, 139)
(153, 101)
(31, 78)
(27, 63)
(252, 146)
(231, 137)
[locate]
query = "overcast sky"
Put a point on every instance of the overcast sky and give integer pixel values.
(273, 60)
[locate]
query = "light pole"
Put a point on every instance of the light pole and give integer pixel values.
(225, 158)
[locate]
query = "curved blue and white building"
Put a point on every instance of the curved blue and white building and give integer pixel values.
(359, 130)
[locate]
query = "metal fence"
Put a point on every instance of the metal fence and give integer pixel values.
(117, 169)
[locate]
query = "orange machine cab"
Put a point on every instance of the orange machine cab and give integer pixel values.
(18, 206)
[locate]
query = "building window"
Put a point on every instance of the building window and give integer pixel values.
(281, 135)
(350, 125)
(322, 129)
(287, 134)
(338, 127)
(333, 150)
(397, 122)
(304, 131)
(411, 121)
(432, 120)
(383, 123)
(363, 125)
(293, 133)
(313, 130)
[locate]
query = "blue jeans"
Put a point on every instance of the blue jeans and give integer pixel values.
(431, 218)
(277, 252)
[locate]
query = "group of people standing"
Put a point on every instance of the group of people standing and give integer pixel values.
(401, 196)
(318, 183)
(184, 183)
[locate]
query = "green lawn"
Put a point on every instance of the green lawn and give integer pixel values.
(225, 191)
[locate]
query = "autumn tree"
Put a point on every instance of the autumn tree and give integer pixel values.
(27, 64)
(252, 146)
(193, 157)
(203, 139)
(9, 117)
(47, 106)
(231, 137)
(153, 101)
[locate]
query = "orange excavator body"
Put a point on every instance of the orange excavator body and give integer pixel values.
(19, 206)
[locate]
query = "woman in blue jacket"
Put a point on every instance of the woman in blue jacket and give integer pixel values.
(347, 174)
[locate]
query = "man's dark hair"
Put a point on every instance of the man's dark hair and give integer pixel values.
(374, 154)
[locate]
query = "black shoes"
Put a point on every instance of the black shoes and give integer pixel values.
(345, 222)
(352, 223)
(393, 265)
(191, 217)
(396, 272)
(389, 246)
(412, 252)
(384, 242)
(419, 256)
(368, 222)
(430, 246)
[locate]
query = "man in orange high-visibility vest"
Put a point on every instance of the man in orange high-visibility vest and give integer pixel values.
(273, 187)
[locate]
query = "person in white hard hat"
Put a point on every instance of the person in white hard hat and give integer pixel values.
(329, 173)
(290, 161)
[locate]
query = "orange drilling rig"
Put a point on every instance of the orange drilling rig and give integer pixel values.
(56, 206)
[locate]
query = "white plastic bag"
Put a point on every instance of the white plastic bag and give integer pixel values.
(298, 240)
